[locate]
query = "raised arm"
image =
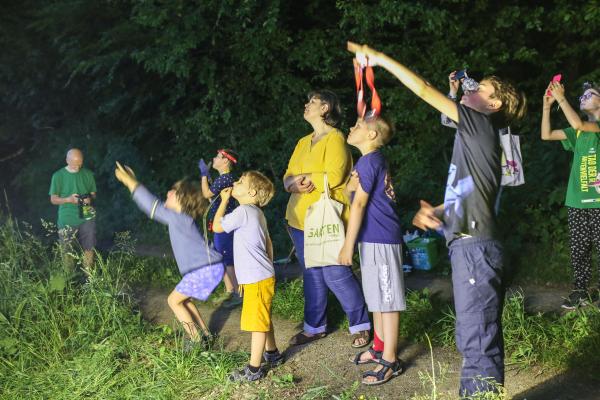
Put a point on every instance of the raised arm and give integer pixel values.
(146, 201)
(204, 169)
(206, 192)
(411, 80)
(558, 93)
(546, 131)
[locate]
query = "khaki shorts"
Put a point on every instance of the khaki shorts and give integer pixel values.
(256, 308)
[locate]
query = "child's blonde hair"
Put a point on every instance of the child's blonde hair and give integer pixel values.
(514, 103)
(262, 185)
(383, 127)
(190, 197)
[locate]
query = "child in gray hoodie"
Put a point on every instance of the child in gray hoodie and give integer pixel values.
(199, 264)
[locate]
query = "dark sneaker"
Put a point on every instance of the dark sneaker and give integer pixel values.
(245, 375)
(273, 359)
(577, 298)
(233, 301)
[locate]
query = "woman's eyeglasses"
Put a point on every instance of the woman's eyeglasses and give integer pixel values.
(587, 96)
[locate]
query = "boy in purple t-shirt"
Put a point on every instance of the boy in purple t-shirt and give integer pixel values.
(375, 225)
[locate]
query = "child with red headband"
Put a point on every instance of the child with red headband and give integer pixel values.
(223, 162)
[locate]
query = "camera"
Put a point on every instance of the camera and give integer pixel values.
(86, 211)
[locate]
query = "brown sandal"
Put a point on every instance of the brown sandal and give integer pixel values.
(300, 338)
(366, 335)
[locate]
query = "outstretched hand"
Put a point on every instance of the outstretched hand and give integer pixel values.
(425, 218)
(126, 176)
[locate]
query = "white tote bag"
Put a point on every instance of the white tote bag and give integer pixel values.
(512, 161)
(324, 232)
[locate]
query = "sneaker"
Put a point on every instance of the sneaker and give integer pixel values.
(273, 359)
(233, 301)
(246, 375)
(577, 298)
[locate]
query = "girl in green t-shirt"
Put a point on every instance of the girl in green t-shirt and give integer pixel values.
(583, 191)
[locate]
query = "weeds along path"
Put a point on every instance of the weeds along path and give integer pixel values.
(324, 366)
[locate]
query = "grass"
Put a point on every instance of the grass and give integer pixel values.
(63, 339)
(548, 340)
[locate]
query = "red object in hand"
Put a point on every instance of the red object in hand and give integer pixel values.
(361, 105)
(555, 78)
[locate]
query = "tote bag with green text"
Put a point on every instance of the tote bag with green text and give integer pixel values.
(323, 231)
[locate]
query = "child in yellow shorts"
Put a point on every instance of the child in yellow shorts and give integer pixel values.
(254, 271)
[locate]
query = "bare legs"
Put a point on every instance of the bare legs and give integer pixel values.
(261, 341)
(386, 326)
(231, 285)
(187, 313)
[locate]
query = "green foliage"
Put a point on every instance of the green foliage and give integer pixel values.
(61, 339)
(558, 341)
(288, 301)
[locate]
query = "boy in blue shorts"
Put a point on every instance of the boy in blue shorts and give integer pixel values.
(375, 225)
(253, 250)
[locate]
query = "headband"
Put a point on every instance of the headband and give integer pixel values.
(227, 155)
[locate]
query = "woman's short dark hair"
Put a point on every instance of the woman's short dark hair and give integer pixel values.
(334, 110)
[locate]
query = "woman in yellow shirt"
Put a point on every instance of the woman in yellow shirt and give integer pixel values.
(324, 151)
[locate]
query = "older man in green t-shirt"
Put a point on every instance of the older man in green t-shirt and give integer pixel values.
(73, 190)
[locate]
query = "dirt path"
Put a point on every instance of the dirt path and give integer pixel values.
(325, 362)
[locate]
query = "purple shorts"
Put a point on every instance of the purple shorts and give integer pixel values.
(201, 282)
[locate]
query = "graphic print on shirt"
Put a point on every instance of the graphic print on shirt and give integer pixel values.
(588, 171)
(456, 192)
(389, 187)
